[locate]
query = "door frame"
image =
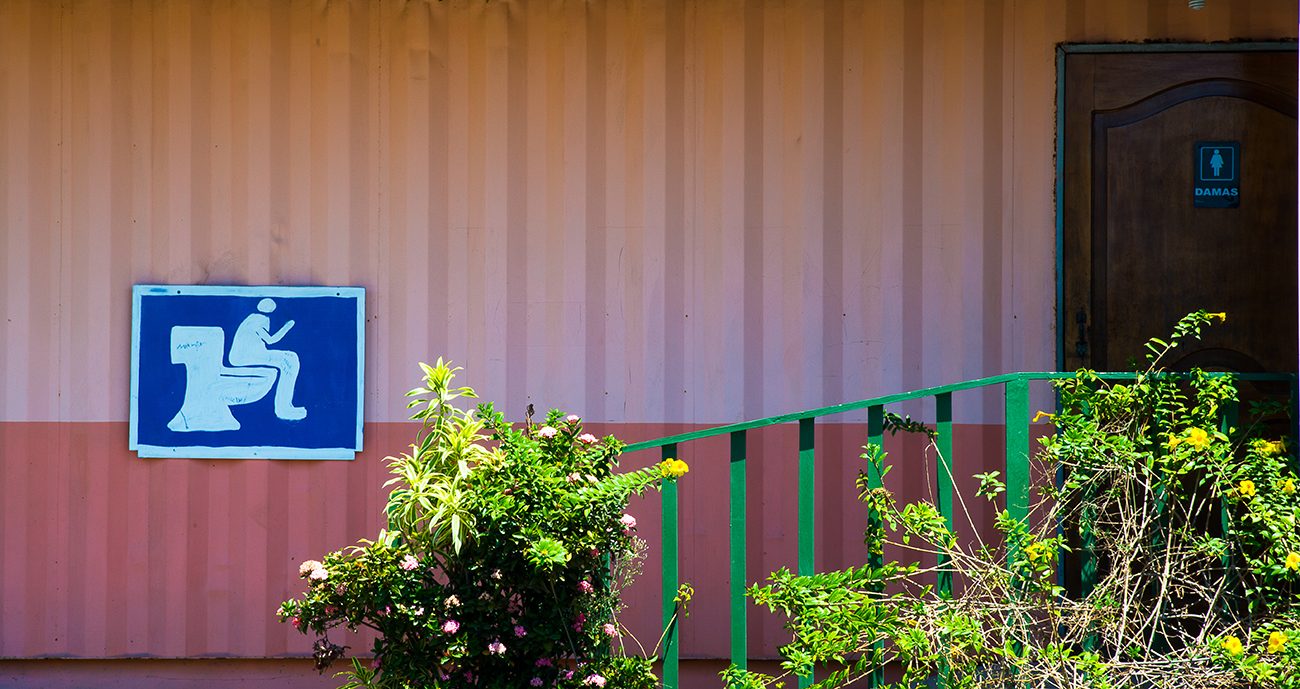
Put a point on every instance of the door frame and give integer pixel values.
(1064, 49)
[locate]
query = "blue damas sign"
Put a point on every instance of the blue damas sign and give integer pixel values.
(242, 372)
(1217, 174)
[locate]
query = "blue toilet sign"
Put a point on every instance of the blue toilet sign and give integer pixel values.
(1217, 182)
(243, 372)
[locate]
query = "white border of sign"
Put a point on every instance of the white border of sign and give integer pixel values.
(252, 452)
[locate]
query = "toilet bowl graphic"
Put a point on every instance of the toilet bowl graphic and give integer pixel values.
(263, 372)
(211, 387)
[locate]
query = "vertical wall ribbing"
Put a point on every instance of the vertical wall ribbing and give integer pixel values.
(646, 212)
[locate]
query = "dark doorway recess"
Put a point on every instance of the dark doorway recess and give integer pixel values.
(1137, 252)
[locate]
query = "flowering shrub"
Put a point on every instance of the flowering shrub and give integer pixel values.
(1189, 520)
(502, 563)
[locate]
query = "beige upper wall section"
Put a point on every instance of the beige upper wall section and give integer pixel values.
(642, 211)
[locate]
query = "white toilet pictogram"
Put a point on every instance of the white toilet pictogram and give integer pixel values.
(211, 388)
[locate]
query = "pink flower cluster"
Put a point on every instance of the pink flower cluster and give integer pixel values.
(628, 522)
(313, 571)
(450, 626)
(308, 567)
(409, 563)
(547, 432)
(496, 648)
(594, 680)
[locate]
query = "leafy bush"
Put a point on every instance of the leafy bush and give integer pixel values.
(1184, 520)
(503, 560)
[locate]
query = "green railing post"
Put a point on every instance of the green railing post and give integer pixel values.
(1016, 430)
(1227, 423)
(943, 493)
(1088, 546)
(739, 635)
(1016, 425)
(875, 479)
(670, 573)
(943, 490)
(1294, 430)
(1088, 558)
(1160, 526)
(807, 510)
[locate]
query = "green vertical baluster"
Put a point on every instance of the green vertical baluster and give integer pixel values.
(1227, 422)
(1087, 549)
(1017, 436)
(1088, 559)
(1016, 429)
(739, 636)
(1087, 546)
(1159, 516)
(1294, 430)
(943, 477)
(943, 500)
(670, 573)
(807, 513)
(875, 436)
(1059, 482)
(607, 567)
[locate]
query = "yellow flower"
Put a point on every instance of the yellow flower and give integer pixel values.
(1198, 438)
(1288, 486)
(1232, 645)
(1222, 316)
(1268, 448)
(1276, 641)
(673, 468)
(1041, 415)
(1173, 442)
(1293, 561)
(1246, 489)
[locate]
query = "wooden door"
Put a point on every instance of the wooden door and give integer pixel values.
(1137, 251)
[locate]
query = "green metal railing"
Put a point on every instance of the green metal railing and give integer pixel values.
(1016, 422)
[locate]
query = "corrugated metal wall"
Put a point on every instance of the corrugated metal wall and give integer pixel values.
(648, 212)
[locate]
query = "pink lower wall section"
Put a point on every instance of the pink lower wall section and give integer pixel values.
(276, 673)
(106, 555)
(166, 674)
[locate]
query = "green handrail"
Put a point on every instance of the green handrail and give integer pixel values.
(1016, 434)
